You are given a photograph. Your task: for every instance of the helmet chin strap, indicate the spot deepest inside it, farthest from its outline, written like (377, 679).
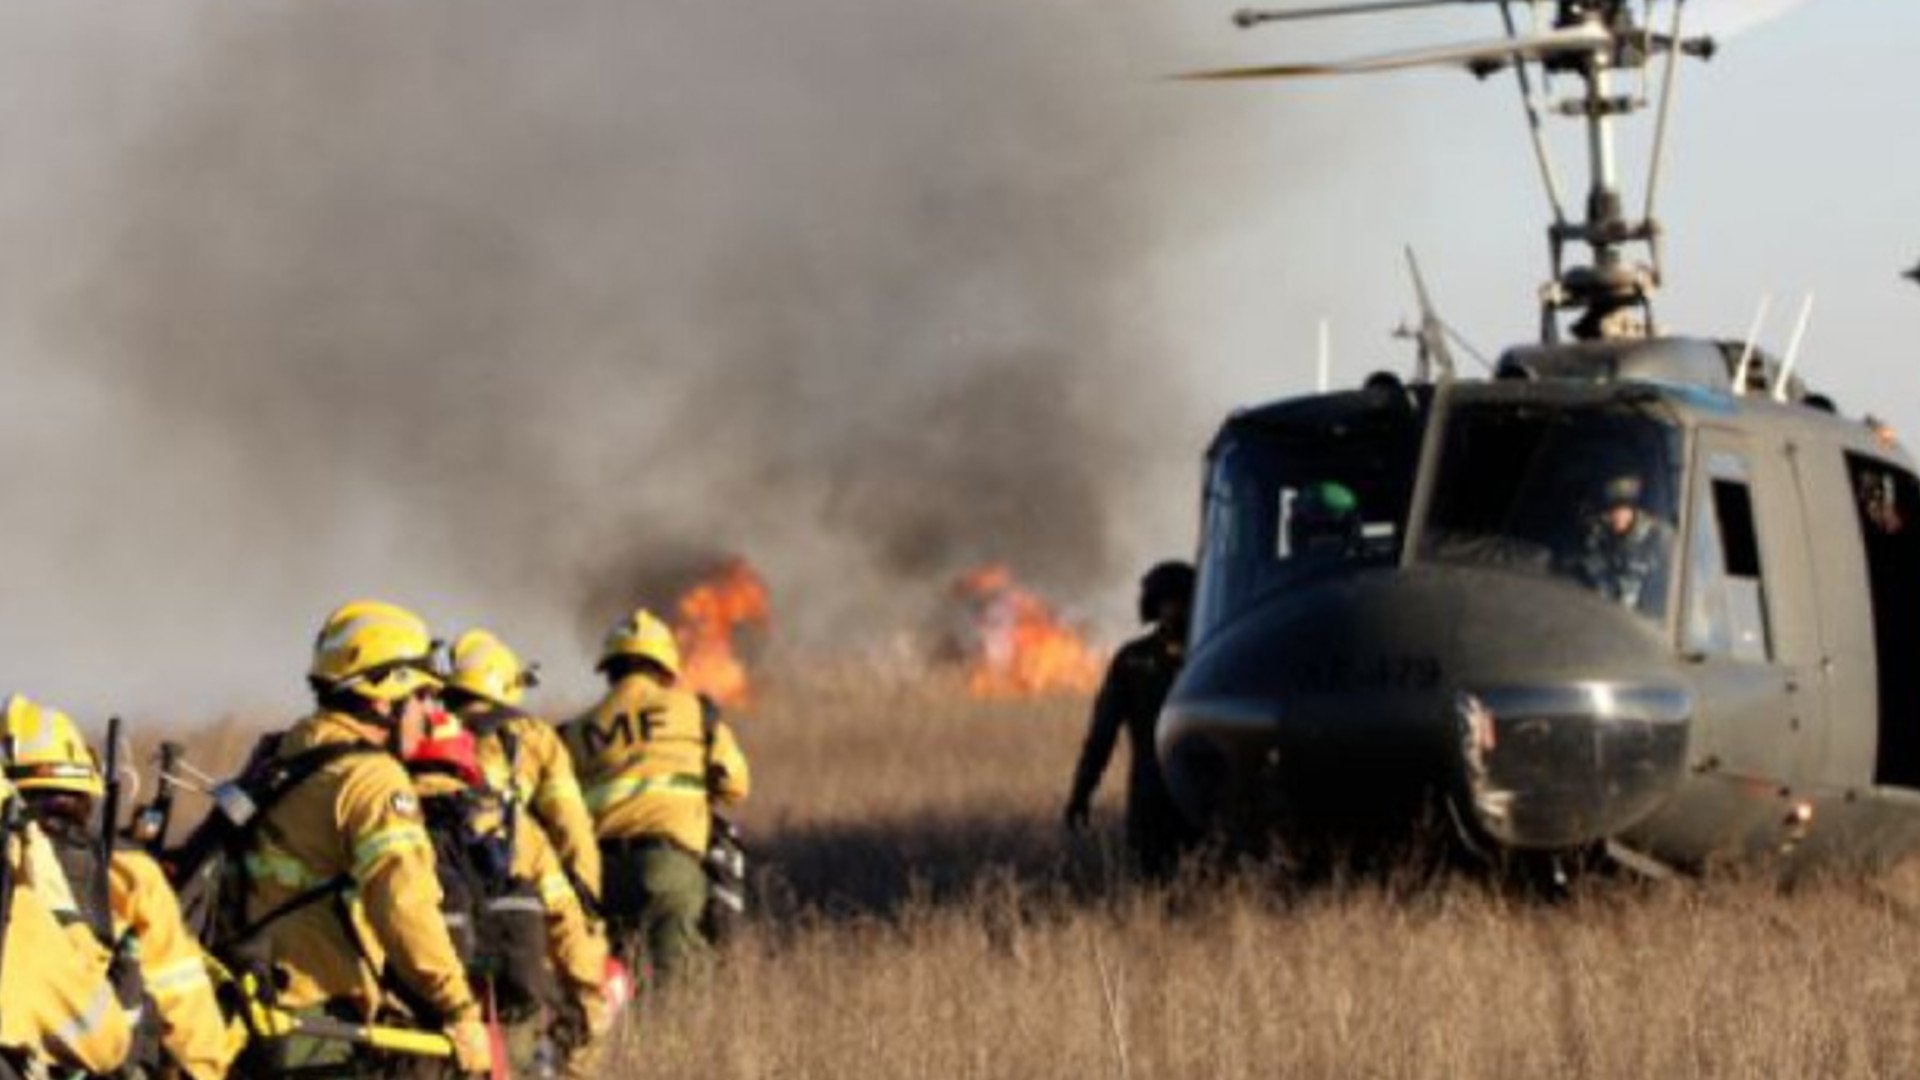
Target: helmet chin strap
(362, 711)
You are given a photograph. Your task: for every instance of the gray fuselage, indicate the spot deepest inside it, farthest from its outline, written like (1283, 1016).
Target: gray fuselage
(1466, 641)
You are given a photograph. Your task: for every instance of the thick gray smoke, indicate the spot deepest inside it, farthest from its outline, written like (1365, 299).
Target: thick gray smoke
(518, 311)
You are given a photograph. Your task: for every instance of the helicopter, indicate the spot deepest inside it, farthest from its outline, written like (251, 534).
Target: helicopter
(1635, 597)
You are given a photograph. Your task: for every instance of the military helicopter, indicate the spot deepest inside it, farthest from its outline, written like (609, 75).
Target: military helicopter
(1636, 597)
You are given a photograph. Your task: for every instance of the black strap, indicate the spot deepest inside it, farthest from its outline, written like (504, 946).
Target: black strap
(510, 824)
(331, 887)
(266, 782)
(284, 775)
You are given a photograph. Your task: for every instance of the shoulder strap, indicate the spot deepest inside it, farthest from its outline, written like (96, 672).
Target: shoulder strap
(267, 784)
(239, 806)
(331, 887)
(709, 721)
(277, 778)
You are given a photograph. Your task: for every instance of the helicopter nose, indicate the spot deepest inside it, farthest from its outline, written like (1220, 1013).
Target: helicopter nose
(1561, 765)
(1542, 717)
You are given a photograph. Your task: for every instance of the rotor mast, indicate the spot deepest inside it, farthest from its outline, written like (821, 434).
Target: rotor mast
(1596, 42)
(1613, 295)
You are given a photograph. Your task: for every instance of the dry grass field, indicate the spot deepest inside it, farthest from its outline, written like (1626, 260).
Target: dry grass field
(923, 915)
(926, 917)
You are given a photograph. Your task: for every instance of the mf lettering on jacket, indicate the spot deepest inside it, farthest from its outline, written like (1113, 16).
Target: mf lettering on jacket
(625, 729)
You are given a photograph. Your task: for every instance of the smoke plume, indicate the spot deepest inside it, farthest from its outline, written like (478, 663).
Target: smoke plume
(523, 312)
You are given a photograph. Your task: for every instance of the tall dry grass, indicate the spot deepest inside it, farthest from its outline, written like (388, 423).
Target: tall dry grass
(923, 915)
(927, 917)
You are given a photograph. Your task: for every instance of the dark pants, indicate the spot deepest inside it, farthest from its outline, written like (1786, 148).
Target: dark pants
(655, 893)
(1157, 834)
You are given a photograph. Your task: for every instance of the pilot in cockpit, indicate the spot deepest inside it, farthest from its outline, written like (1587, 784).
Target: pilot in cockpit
(1324, 522)
(1626, 551)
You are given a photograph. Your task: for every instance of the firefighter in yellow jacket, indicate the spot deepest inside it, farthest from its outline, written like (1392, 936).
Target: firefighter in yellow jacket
(339, 871)
(650, 762)
(521, 753)
(57, 775)
(58, 1006)
(531, 938)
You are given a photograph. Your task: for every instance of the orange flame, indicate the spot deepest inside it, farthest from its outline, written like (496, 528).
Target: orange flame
(1022, 648)
(709, 613)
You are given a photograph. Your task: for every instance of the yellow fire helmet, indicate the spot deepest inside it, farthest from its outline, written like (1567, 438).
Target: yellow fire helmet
(49, 753)
(374, 649)
(643, 636)
(482, 665)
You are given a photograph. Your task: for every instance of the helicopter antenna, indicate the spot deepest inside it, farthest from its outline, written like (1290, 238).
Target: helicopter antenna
(1793, 350)
(1743, 370)
(1432, 333)
(1460, 339)
(1658, 159)
(1326, 356)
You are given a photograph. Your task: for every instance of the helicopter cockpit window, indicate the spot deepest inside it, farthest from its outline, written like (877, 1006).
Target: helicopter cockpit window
(1585, 494)
(1286, 503)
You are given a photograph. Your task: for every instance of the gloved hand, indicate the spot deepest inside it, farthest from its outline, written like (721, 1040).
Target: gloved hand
(123, 971)
(1077, 813)
(472, 1046)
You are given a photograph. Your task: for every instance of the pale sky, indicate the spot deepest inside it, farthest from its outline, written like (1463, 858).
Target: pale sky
(1790, 170)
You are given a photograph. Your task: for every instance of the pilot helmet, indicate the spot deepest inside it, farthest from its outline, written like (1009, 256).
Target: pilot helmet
(1623, 489)
(1325, 515)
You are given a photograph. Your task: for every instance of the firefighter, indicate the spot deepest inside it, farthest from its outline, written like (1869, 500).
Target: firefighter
(57, 775)
(338, 872)
(522, 753)
(528, 938)
(59, 1006)
(652, 765)
(1136, 686)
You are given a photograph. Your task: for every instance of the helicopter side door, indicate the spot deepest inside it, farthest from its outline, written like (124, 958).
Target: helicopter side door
(1747, 627)
(1886, 500)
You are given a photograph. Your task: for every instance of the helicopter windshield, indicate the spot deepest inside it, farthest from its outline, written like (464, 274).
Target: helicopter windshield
(1293, 498)
(1586, 494)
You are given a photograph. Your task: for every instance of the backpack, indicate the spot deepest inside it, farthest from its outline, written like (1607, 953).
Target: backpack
(207, 869)
(725, 860)
(497, 921)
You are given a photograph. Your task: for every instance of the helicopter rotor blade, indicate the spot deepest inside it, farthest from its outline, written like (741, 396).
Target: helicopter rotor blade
(1474, 56)
(1247, 18)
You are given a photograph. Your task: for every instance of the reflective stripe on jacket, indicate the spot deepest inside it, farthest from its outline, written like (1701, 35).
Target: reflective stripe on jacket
(191, 1026)
(56, 1001)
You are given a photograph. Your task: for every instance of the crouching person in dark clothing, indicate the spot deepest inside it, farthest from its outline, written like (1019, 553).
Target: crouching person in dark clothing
(1136, 686)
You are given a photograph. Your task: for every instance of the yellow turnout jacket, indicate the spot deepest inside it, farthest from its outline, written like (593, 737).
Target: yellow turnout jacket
(645, 765)
(542, 778)
(357, 818)
(57, 1003)
(172, 965)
